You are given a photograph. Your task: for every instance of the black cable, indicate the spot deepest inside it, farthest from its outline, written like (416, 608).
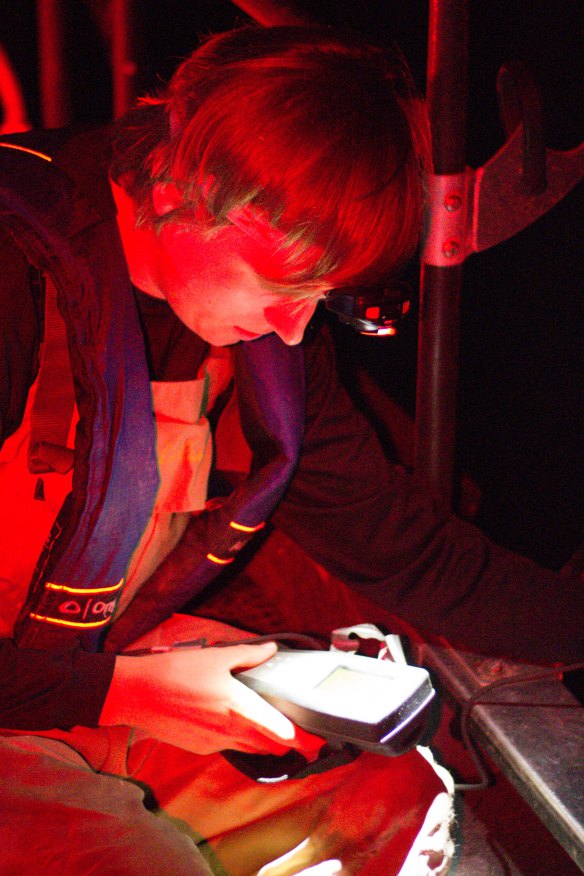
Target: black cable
(478, 698)
(315, 644)
(310, 641)
(197, 644)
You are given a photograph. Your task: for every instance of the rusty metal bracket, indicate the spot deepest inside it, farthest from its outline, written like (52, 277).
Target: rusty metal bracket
(477, 209)
(500, 206)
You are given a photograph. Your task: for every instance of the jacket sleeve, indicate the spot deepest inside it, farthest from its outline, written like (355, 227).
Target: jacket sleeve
(19, 330)
(370, 524)
(40, 689)
(44, 689)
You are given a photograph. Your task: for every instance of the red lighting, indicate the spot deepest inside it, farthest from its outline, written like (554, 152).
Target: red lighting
(243, 528)
(373, 312)
(218, 560)
(390, 330)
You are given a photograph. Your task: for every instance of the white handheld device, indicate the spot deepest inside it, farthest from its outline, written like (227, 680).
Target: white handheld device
(376, 705)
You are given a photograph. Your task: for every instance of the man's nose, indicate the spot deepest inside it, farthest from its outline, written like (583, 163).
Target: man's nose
(289, 319)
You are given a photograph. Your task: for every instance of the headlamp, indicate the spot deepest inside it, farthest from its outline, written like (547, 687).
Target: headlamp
(372, 311)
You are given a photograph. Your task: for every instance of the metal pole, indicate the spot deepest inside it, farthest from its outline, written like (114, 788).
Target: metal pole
(124, 66)
(441, 280)
(53, 81)
(12, 102)
(440, 287)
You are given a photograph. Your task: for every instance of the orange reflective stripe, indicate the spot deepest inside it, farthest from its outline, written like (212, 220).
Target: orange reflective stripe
(80, 591)
(64, 623)
(221, 562)
(243, 528)
(25, 149)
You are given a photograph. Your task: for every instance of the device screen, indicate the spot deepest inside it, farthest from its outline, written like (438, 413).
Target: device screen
(362, 690)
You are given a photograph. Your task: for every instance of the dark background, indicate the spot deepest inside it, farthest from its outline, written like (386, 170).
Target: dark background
(520, 382)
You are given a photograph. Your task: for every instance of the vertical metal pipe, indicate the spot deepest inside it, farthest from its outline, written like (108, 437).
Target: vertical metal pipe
(53, 79)
(440, 286)
(124, 66)
(12, 104)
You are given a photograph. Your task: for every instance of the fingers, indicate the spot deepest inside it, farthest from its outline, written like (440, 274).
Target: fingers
(246, 656)
(261, 714)
(300, 860)
(326, 868)
(273, 724)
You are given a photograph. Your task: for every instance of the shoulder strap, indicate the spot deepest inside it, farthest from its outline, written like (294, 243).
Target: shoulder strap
(270, 387)
(77, 581)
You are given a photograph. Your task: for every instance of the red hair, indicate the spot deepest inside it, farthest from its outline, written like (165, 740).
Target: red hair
(318, 136)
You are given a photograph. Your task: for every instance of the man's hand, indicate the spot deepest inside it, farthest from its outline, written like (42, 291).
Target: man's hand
(300, 861)
(287, 865)
(190, 699)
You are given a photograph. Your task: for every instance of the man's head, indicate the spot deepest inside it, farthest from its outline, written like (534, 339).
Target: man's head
(309, 143)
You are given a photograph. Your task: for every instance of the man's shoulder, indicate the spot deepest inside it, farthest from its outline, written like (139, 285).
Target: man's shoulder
(81, 153)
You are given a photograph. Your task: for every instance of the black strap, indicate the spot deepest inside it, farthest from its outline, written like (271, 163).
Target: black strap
(55, 397)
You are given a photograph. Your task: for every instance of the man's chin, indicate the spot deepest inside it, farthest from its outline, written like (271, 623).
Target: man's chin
(244, 335)
(228, 337)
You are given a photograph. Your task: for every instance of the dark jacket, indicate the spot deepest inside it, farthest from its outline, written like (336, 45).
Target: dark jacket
(361, 517)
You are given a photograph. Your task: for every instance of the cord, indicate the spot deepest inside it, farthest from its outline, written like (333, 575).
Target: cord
(309, 641)
(478, 697)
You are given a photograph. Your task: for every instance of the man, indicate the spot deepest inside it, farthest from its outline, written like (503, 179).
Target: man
(277, 166)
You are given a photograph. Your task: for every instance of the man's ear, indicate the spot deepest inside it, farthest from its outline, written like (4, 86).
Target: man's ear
(165, 198)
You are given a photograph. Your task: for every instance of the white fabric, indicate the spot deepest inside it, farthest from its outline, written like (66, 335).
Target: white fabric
(184, 450)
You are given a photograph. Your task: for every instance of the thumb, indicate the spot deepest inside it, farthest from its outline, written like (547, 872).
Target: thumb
(326, 868)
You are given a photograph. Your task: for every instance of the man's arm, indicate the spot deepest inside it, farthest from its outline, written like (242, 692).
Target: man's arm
(40, 689)
(369, 523)
(185, 698)
(45, 689)
(19, 334)
(190, 699)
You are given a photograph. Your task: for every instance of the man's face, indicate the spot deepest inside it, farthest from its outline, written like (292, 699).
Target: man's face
(220, 287)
